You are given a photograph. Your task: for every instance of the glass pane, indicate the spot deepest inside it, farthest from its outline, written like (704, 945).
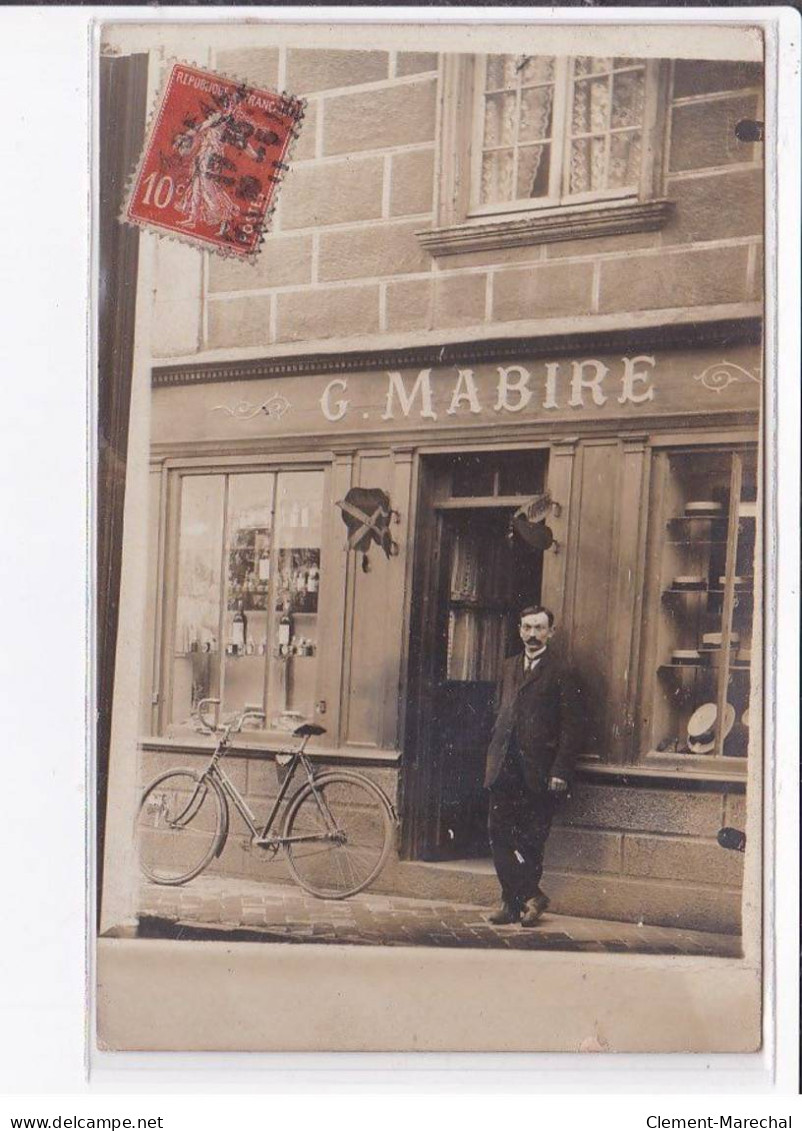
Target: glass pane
(587, 165)
(623, 62)
(533, 171)
(522, 473)
(497, 176)
(502, 72)
(473, 475)
(736, 744)
(537, 69)
(299, 521)
(196, 646)
(499, 120)
(591, 100)
(628, 93)
(590, 65)
(625, 154)
(248, 549)
(536, 107)
(697, 569)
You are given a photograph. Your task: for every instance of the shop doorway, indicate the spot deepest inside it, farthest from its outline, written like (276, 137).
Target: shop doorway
(472, 577)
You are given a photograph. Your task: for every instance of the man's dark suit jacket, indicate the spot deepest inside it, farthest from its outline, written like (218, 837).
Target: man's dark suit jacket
(541, 710)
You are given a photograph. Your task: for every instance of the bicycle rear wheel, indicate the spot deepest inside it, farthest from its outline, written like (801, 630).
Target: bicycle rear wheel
(349, 823)
(180, 824)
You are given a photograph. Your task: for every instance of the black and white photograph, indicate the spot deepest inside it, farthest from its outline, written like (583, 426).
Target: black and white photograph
(430, 537)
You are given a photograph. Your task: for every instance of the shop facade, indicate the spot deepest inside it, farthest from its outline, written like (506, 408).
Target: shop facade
(261, 602)
(610, 358)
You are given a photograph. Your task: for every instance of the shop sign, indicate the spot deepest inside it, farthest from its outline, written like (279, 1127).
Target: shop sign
(511, 389)
(675, 383)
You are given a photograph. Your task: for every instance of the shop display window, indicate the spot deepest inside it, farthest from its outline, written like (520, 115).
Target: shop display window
(704, 591)
(247, 589)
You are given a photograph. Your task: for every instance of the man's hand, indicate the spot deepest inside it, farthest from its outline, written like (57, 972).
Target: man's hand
(558, 785)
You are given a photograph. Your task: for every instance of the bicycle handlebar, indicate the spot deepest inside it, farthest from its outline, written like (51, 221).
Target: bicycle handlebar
(211, 727)
(232, 727)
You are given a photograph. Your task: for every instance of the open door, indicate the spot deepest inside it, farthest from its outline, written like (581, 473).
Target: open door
(472, 580)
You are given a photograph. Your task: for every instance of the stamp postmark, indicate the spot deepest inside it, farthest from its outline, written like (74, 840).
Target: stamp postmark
(213, 161)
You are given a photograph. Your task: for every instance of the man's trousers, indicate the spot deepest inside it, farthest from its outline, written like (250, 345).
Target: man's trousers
(519, 823)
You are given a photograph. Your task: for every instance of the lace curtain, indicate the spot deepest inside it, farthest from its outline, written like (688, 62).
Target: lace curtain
(608, 111)
(517, 115)
(606, 118)
(479, 591)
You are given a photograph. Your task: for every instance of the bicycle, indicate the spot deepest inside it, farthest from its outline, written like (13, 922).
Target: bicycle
(338, 826)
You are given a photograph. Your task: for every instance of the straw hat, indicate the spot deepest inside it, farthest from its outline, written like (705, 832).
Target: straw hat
(702, 727)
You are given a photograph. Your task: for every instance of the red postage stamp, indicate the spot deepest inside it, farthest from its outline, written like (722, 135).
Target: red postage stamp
(213, 161)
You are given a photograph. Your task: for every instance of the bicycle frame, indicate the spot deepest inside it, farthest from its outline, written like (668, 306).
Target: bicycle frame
(240, 804)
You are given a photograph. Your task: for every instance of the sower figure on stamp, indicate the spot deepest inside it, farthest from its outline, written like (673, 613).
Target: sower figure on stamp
(529, 761)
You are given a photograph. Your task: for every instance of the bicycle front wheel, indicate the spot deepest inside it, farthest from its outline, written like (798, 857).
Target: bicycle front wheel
(338, 835)
(179, 826)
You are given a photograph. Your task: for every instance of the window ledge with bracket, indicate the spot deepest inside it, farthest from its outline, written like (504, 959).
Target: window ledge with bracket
(548, 226)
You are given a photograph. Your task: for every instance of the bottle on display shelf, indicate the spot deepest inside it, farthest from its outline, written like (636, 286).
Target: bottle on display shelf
(299, 581)
(313, 580)
(239, 629)
(285, 632)
(264, 565)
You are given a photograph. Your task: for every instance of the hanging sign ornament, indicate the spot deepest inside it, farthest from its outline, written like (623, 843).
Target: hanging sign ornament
(367, 513)
(529, 523)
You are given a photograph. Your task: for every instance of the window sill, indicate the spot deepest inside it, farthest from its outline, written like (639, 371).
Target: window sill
(552, 224)
(266, 745)
(729, 772)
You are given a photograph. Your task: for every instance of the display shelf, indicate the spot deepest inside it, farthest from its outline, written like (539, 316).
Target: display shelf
(696, 542)
(674, 668)
(690, 520)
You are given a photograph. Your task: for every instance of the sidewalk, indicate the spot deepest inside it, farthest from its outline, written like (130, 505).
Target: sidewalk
(215, 907)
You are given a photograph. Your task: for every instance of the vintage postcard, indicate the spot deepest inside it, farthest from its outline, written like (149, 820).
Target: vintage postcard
(431, 546)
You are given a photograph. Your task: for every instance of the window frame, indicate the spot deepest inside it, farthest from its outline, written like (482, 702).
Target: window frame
(644, 754)
(461, 225)
(560, 141)
(167, 596)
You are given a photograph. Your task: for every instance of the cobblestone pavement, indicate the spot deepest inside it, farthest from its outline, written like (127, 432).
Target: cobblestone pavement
(212, 907)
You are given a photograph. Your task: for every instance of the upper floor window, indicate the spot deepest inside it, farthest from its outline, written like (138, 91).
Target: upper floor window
(552, 130)
(536, 148)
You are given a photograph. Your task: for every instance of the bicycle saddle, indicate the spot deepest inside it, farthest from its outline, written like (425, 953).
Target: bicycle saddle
(308, 729)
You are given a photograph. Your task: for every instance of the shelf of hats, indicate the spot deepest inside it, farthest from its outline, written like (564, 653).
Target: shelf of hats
(706, 604)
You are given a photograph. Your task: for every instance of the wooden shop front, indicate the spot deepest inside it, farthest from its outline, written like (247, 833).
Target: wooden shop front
(646, 442)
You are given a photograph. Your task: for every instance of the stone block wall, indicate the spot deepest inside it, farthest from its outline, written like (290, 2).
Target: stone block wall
(647, 853)
(343, 260)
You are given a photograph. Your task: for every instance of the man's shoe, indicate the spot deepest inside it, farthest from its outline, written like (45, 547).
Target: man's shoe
(504, 916)
(533, 910)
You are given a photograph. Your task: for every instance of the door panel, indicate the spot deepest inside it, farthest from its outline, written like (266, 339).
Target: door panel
(483, 581)
(470, 583)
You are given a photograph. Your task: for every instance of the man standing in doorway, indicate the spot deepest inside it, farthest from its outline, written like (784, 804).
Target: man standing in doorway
(528, 765)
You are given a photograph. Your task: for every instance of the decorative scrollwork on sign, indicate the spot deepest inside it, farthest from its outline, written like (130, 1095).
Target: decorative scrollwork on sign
(275, 407)
(717, 377)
